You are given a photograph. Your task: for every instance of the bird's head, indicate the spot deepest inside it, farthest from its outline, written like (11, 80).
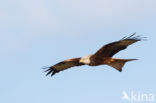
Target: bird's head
(85, 59)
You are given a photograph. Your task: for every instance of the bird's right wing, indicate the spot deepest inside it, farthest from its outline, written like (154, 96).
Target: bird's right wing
(63, 66)
(112, 48)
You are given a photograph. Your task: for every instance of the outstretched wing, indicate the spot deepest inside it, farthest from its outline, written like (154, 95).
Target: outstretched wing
(112, 48)
(63, 65)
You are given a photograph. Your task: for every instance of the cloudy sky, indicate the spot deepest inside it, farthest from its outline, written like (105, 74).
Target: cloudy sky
(38, 33)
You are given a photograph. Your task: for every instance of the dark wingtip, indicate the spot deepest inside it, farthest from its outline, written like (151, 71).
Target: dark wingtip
(138, 37)
(51, 71)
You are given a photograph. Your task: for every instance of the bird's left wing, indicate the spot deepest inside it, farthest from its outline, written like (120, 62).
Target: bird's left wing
(112, 48)
(63, 66)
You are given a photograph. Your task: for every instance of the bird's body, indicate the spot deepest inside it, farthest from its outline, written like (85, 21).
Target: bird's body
(102, 57)
(91, 61)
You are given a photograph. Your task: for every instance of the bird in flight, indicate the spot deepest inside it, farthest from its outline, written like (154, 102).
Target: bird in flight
(102, 57)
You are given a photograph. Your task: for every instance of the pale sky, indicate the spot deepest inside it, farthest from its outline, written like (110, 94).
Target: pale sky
(38, 33)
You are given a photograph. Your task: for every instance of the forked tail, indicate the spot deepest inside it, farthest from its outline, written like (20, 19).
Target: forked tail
(119, 63)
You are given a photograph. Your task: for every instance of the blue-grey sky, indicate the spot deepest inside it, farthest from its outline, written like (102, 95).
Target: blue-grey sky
(38, 33)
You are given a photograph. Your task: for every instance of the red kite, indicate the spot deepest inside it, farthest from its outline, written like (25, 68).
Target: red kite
(101, 57)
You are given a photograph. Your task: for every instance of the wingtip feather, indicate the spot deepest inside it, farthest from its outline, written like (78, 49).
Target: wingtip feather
(138, 37)
(51, 71)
